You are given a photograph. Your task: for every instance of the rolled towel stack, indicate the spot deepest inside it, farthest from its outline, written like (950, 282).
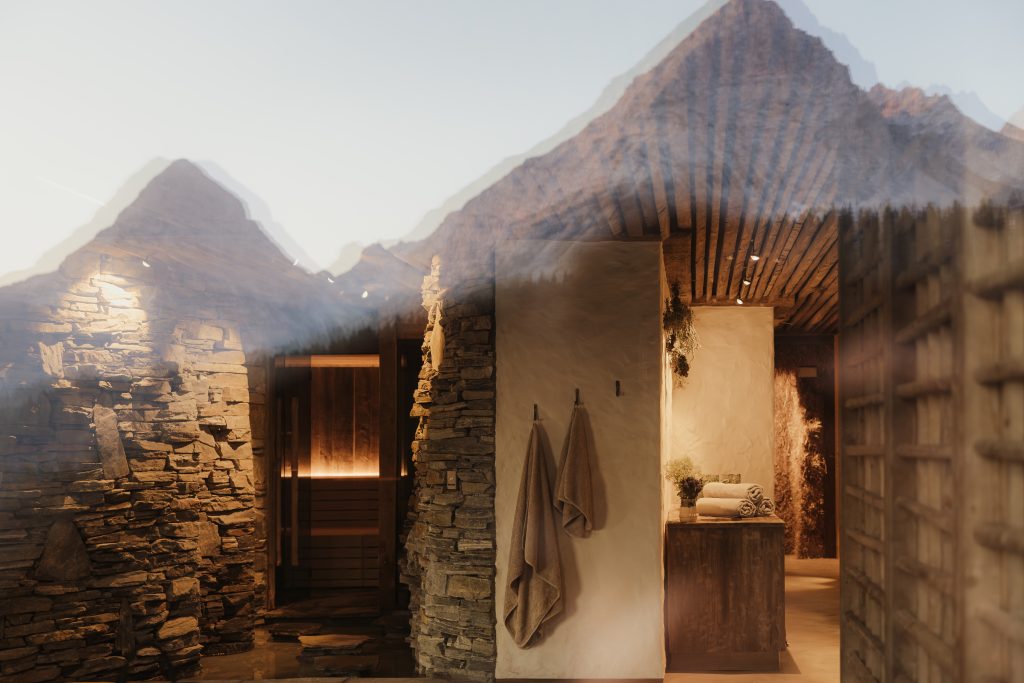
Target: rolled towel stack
(726, 507)
(716, 489)
(734, 500)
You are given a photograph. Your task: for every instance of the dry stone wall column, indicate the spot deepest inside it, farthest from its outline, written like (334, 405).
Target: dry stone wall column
(93, 547)
(449, 552)
(126, 531)
(218, 461)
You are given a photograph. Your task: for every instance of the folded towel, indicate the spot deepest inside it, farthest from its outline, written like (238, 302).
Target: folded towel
(533, 593)
(726, 507)
(717, 489)
(766, 507)
(574, 498)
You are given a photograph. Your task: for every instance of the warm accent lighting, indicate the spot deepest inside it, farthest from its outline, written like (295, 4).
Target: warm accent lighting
(739, 301)
(329, 361)
(348, 474)
(755, 257)
(746, 283)
(365, 294)
(145, 263)
(331, 280)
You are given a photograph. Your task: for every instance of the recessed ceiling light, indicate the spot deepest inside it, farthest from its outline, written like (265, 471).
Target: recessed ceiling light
(365, 294)
(746, 283)
(755, 257)
(145, 263)
(739, 301)
(331, 280)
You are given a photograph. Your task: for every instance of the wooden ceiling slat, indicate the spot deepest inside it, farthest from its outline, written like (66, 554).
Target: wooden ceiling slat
(793, 257)
(724, 61)
(700, 122)
(765, 232)
(791, 173)
(816, 260)
(675, 137)
(826, 319)
(812, 301)
(778, 258)
(769, 119)
(787, 258)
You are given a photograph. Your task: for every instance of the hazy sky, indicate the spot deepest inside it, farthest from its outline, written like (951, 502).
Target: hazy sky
(350, 120)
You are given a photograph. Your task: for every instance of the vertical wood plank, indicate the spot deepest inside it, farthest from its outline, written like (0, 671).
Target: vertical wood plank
(389, 466)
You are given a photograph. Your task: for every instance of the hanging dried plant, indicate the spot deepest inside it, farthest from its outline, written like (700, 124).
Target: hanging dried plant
(680, 336)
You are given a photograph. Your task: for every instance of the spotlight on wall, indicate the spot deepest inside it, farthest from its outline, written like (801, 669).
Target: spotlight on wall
(145, 263)
(331, 280)
(755, 257)
(295, 262)
(365, 294)
(746, 283)
(739, 301)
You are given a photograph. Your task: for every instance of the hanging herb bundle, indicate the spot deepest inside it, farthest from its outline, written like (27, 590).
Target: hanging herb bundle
(680, 335)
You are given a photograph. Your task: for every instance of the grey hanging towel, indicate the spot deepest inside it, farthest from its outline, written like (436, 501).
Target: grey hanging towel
(533, 593)
(574, 495)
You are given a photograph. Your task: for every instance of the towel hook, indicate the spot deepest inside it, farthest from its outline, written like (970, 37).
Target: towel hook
(535, 416)
(618, 388)
(577, 396)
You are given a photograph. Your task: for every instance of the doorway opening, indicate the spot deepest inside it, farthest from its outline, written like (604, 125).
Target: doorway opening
(339, 481)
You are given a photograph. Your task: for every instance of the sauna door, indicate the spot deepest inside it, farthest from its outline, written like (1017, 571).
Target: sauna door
(328, 430)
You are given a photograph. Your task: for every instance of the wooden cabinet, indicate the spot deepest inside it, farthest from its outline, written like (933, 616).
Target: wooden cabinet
(724, 595)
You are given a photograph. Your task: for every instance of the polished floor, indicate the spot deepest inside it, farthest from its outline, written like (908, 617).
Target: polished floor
(812, 629)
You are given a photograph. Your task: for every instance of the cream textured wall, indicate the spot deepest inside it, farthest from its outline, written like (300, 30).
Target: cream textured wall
(722, 415)
(584, 315)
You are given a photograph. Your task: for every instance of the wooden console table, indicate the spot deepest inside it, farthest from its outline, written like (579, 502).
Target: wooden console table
(725, 606)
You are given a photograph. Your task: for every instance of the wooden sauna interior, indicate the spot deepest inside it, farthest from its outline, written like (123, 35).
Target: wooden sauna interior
(340, 431)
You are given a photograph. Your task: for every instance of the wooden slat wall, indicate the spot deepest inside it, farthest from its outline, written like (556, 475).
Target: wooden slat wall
(925, 497)
(345, 425)
(993, 448)
(866, 404)
(342, 549)
(932, 386)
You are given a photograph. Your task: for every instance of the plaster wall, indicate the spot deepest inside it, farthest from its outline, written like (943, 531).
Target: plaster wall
(584, 315)
(722, 414)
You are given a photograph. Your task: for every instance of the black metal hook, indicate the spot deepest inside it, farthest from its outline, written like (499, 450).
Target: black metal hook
(618, 388)
(577, 396)
(535, 413)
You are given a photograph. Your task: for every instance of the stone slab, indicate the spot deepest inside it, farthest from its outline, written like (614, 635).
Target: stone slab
(108, 439)
(64, 555)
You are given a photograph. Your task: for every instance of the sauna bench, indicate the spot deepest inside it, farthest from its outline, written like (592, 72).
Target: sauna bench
(725, 604)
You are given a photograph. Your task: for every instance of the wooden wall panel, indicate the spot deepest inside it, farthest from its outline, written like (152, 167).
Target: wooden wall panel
(993, 447)
(866, 443)
(932, 383)
(345, 422)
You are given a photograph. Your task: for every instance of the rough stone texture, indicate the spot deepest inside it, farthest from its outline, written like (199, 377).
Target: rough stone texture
(127, 459)
(64, 555)
(449, 546)
(132, 403)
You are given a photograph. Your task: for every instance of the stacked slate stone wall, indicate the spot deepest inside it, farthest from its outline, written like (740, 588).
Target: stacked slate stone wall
(449, 551)
(126, 477)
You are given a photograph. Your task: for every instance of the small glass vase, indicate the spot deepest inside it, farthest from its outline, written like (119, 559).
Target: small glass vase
(687, 509)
